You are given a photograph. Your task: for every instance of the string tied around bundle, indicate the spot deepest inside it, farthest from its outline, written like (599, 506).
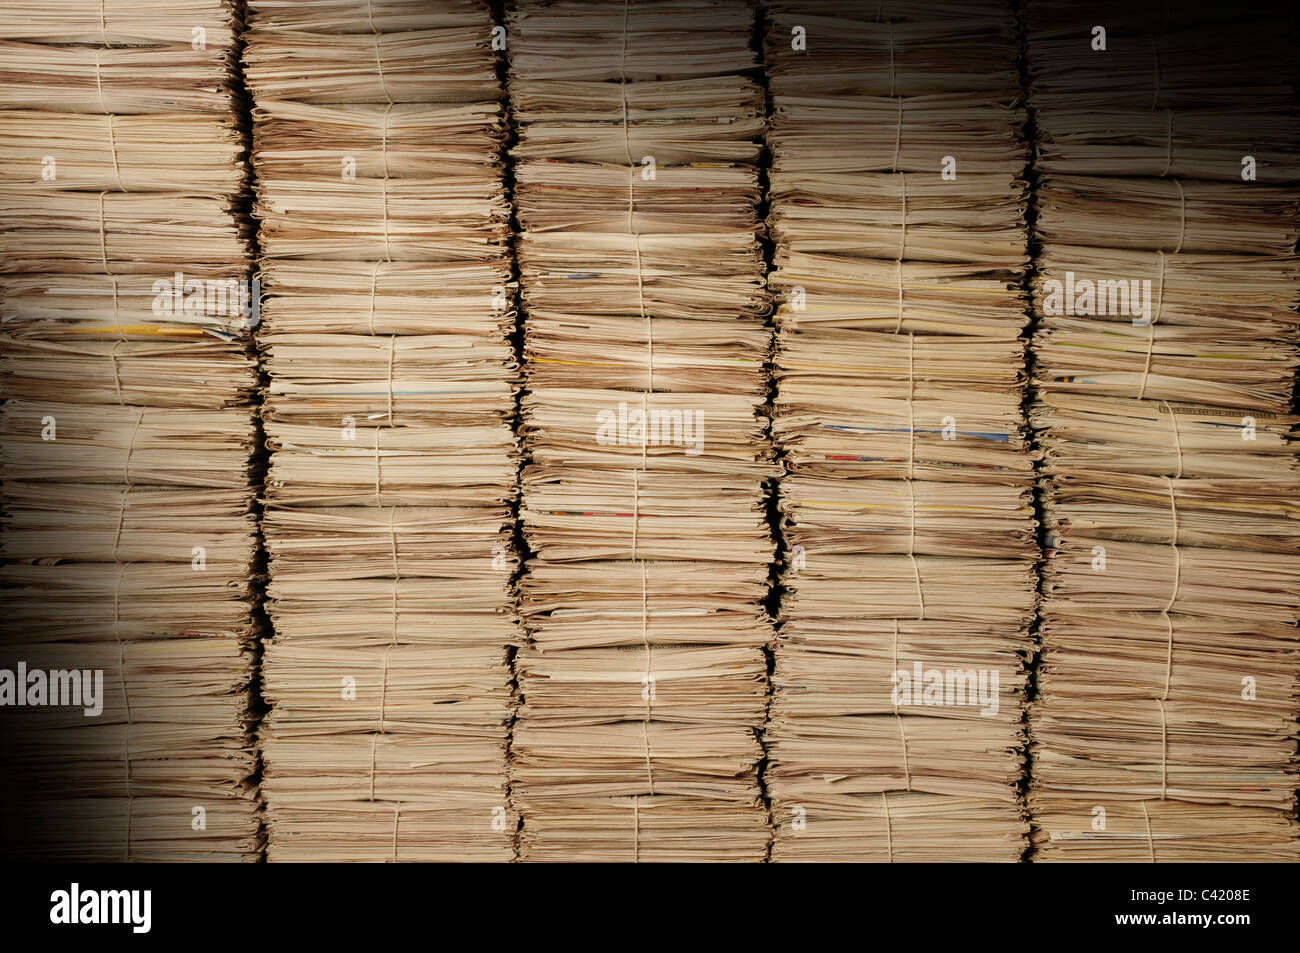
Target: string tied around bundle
(1169, 655)
(126, 708)
(121, 520)
(911, 406)
(648, 693)
(1173, 597)
(99, 86)
(103, 23)
(1182, 214)
(383, 687)
(117, 314)
(117, 601)
(645, 609)
(911, 473)
(1151, 843)
(392, 357)
(117, 375)
(1173, 545)
(649, 764)
(1151, 329)
(902, 737)
(902, 222)
(1173, 512)
(898, 135)
(898, 280)
(383, 138)
(902, 731)
(397, 815)
(383, 705)
(920, 589)
(636, 828)
(392, 539)
(1169, 149)
(889, 833)
(130, 446)
(1178, 443)
(374, 283)
(648, 679)
(128, 809)
(649, 324)
(388, 247)
(1173, 515)
(895, 668)
(636, 510)
(395, 613)
(103, 236)
(1164, 750)
(379, 64)
(374, 741)
(622, 57)
(112, 151)
(388, 424)
(911, 516)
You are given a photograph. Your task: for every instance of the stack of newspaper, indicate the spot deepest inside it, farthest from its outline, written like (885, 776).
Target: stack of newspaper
(378, 131)
(898, 213)
(1166, 356)
(128, 435)
(644, 683)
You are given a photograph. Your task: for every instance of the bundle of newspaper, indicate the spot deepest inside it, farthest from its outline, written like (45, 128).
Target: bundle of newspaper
(898, 48)
(123, 23)
(146, 235)
(130, 535)
(158, 830)
(644, 499)
(1169, 215)
(415, 731)
(384, 218)
(177, 151)
(206, 372)
(1164, 727)
(131, 550)
(196, 306)
(898, 213)
(1158, 58)
(135, 719)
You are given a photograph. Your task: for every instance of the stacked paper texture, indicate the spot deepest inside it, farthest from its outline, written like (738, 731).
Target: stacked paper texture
(129, 533)
(1166, 354)
(908, 572)
(644, 503)
(383, 223)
